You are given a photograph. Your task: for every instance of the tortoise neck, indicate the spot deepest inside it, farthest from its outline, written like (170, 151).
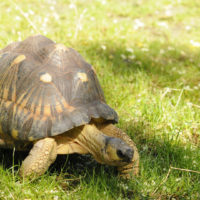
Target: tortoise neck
(93, 140)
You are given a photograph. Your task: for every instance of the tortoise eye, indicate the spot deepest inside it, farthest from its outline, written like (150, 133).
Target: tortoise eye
(119, 153)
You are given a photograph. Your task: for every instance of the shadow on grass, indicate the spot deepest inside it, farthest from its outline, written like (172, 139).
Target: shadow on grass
(156, 156)
(164, 67)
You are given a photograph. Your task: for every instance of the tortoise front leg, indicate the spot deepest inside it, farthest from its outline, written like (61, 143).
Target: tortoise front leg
(41, 156)
(133, 167)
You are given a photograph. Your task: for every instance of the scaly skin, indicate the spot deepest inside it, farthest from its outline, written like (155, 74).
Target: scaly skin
(133, 167)
(88, 139)
(41, 156)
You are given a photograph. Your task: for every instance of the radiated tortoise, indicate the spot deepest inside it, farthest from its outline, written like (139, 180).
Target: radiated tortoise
(51, 103)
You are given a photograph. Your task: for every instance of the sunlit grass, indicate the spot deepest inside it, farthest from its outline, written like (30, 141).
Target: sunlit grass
(146, 55)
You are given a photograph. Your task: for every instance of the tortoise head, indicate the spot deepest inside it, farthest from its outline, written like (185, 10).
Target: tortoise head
(105, 149)
(116, 152)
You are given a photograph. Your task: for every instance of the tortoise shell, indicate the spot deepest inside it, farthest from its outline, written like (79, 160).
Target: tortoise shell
(47, 89)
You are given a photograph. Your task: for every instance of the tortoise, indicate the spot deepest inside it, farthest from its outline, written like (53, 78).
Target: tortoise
(51, 103)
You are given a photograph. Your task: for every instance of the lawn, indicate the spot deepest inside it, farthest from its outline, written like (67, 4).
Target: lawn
(147, 57)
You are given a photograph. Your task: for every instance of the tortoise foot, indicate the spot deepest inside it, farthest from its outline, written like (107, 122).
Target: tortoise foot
(41, 156)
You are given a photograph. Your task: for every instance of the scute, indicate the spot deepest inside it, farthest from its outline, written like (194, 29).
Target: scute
(48, 90)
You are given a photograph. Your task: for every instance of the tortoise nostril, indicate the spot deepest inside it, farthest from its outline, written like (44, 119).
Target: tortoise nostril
(129, 154)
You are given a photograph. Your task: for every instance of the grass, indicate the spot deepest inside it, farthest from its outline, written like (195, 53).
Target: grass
(146, 54)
